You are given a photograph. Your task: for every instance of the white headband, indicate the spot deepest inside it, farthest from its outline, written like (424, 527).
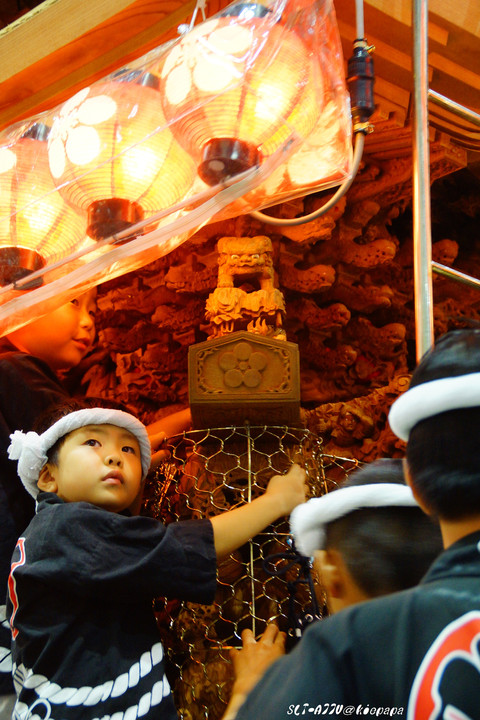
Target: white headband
(30, 449)
(308, 521)
(432, 398)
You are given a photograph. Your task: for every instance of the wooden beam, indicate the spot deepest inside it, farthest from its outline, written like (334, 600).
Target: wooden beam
(464, 14)
(48, 27)
(63, 45)
(66, 49)
(461, 74)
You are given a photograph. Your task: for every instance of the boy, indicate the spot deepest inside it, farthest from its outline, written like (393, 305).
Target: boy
(31, 359)
(368, 538)
(413, 653)
(85, 572)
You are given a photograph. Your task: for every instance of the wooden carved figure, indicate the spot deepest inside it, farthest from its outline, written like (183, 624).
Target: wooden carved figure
(246, 297)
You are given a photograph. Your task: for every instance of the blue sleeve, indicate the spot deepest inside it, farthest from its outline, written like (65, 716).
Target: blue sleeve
(84, 549)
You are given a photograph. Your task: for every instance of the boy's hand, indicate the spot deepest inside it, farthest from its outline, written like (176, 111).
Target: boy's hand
(254, 658)
(289, 488)
(232, 529)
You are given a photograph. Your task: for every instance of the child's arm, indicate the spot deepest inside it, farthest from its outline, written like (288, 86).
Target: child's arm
(284, 492)
(172, 424)
(168, 426)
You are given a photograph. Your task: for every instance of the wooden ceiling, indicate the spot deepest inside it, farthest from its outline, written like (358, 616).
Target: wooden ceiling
(61, 46)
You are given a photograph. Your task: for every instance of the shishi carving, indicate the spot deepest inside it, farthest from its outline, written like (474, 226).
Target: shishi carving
(245, 258)
(246, 297)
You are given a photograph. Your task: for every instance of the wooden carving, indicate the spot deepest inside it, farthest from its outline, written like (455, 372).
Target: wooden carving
(244, 377)
(246, 296)
(351, 316)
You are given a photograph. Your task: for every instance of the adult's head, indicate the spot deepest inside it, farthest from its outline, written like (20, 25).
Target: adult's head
(370, 536)
(439, 417)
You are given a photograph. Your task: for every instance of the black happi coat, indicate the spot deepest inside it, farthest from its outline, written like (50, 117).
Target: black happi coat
(86, 644)
(27, 388)
(414, 654)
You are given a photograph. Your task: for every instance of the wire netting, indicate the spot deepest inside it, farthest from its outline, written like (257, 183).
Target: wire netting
(266, 580)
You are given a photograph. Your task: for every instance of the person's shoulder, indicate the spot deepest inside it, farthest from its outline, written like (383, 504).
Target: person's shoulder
(49, 501)
(362, 620)
(15, 364)
(17, 358)
(75, 522)
(11, 357)
(48, 504)
(381, 608)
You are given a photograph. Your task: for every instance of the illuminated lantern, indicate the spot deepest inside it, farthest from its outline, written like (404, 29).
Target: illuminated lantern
(112, 155)
(242, 85)
(37, 227)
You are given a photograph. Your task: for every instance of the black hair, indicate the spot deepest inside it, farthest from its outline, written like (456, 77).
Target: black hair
(442, 450)
(444, 463)
(58, 410)
(454, 354)
(385, 549)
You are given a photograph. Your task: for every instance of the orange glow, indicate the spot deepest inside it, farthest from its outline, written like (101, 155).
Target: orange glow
(33, 216)
(227, 81)
(111, 141)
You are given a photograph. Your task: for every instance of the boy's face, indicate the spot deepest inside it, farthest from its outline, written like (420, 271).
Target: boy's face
(62, 337)
(99, 464)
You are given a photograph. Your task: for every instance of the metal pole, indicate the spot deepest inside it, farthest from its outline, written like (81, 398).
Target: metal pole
(460, 110)
(455, 275)
(422, 241)
(253, 613)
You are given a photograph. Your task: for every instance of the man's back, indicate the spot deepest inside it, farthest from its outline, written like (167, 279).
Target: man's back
(381, 657)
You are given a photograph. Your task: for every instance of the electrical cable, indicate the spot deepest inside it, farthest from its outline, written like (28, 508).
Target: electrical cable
(360, 79)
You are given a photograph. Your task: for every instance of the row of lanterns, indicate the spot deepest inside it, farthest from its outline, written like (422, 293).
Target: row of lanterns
(222, 99)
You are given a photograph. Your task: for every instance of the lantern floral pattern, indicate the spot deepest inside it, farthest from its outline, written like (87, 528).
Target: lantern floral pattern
(247, 80)
(33, 215)
(111, 140)
(218, 46)
(74, 136)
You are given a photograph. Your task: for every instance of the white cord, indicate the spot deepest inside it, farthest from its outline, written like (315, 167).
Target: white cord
(357, 156)
(184, 28)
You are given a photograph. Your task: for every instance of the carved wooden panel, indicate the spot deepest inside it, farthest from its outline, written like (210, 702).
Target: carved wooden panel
(243, 377)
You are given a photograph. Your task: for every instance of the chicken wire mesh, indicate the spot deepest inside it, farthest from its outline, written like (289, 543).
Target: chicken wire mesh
(266, 580)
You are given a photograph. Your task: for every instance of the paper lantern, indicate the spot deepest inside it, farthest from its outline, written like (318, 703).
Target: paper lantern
(241, 84)
(112, 154)
(37, 227)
